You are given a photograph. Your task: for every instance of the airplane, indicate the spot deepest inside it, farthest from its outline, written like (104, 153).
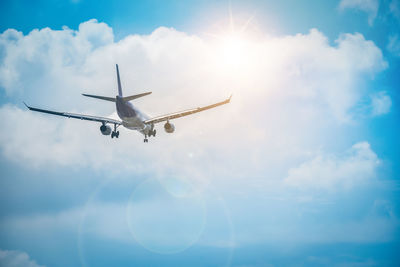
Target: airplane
(131, 117)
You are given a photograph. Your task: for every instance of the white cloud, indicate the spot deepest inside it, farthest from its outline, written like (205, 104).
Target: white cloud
(145, 222)
(394, 45)
(96, 34)
(394, 8)
(369, 6)
(381, 103)
(357, 166)
(365, 230)
(13, 258)
(187, 222)
(104, 220)
(311, 84)
(44, 60)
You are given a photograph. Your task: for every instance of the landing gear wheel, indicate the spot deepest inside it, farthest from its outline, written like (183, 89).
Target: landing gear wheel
(154, 133)
(114, 134)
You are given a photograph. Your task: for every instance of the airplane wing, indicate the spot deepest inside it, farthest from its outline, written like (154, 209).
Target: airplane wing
(179, 114)
(76, 116)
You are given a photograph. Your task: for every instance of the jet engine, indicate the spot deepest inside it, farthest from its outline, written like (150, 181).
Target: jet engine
(169, 127)
(105, 130)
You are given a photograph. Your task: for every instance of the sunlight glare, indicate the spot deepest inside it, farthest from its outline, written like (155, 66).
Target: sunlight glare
(233, 49)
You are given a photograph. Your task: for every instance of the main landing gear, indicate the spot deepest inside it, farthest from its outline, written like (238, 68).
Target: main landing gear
(151, 133)
(115, 133)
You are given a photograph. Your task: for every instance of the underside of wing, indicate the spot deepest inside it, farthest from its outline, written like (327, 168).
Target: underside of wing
(183, 113)
(76, 116)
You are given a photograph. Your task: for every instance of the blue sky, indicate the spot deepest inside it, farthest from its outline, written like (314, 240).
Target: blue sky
(300, 169)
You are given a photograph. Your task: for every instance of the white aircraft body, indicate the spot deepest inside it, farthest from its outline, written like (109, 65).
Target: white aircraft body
(130, 116)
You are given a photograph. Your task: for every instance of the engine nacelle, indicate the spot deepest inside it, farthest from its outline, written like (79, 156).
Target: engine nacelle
(105, 130)
(169, 127)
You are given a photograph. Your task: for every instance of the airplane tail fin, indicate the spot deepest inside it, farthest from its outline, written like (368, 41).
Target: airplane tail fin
(113, 99)
(119, 82)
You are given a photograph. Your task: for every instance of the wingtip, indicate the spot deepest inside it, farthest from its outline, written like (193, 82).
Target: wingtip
(230, 97)
(25, 104)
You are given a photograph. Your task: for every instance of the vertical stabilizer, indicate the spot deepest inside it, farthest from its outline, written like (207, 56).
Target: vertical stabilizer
(119, 82)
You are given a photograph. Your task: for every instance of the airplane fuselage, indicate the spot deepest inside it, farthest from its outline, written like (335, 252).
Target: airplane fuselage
(131, 117)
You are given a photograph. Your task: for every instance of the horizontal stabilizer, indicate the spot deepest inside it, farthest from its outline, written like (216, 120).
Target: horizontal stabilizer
(129, 98)
(112, 99)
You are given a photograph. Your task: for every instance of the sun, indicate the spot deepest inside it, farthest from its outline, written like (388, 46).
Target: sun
(233, 48)
(233, 43)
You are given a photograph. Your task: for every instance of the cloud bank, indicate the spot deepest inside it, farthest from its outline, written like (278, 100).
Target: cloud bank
(368, 6)
(281, 85)
(13, 258)
(355, 167)
(381, 103)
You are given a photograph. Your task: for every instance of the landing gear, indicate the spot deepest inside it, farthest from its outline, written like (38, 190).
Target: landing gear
(152, 133)
(115, 133)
